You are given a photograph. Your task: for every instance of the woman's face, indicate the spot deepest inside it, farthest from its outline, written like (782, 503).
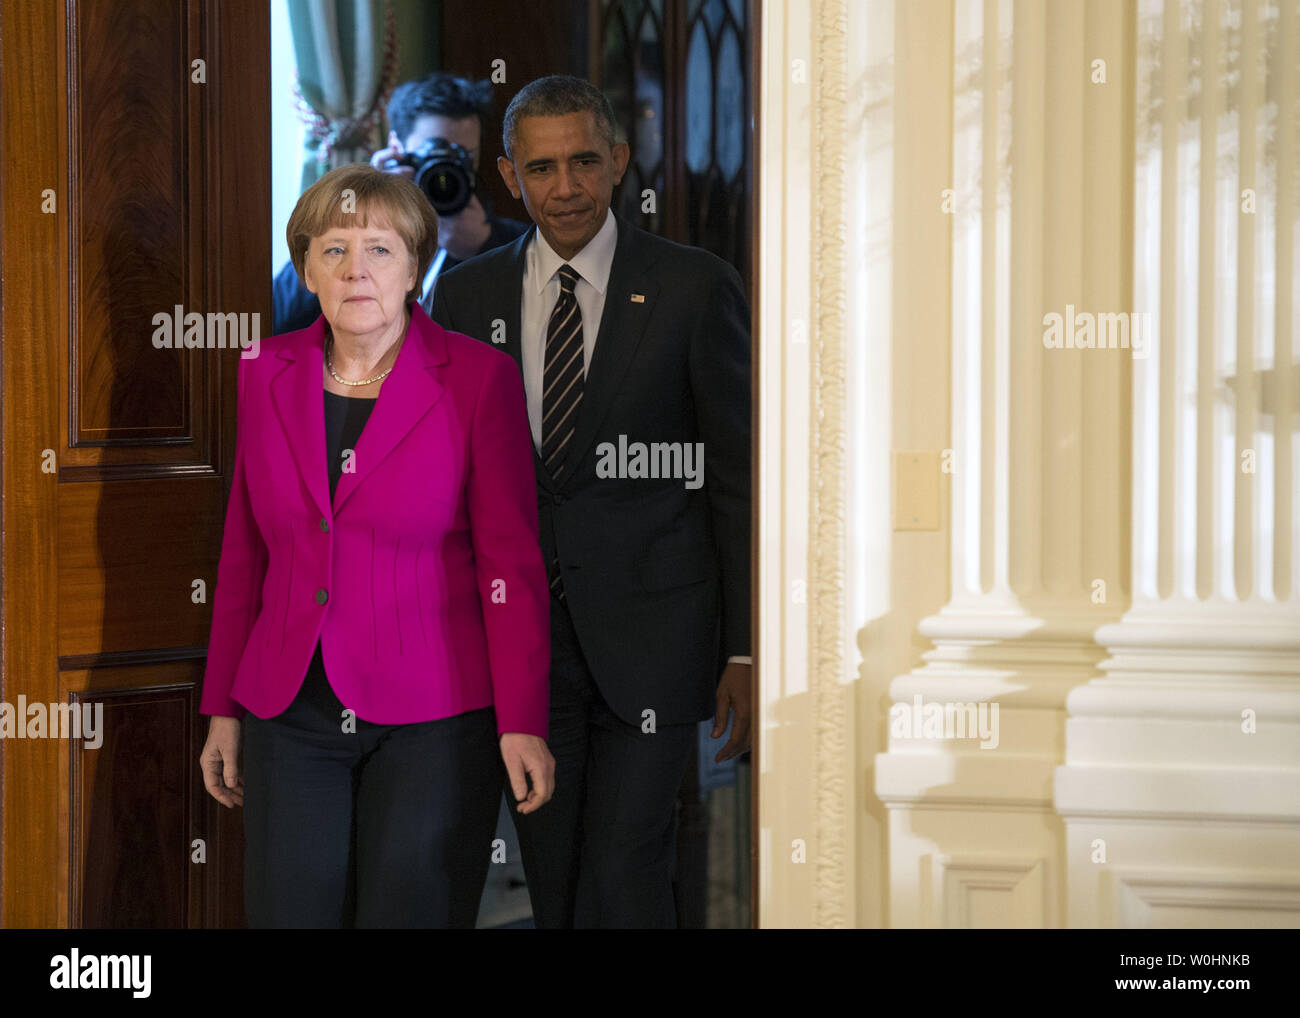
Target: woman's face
(361, 275)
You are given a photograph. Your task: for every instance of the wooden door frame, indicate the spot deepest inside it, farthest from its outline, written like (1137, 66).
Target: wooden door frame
(233, 38)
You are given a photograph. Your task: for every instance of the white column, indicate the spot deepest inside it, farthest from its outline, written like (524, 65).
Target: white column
(1038, 464)
(1181, 788)
(826, 249)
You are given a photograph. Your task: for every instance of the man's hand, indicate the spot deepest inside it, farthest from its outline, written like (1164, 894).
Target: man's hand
(219, 762)
(464, 234)
(392, 152)
(526, 756)
(735, 693)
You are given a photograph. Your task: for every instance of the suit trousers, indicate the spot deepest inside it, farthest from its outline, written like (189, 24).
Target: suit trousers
(601, 853)
(387, 826)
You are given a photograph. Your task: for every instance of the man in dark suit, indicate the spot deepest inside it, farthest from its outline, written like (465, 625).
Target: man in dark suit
(635, 358)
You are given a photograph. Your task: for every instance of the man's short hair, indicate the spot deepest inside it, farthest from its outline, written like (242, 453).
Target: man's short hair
(438, 95)
(555, 96)
(390, 198)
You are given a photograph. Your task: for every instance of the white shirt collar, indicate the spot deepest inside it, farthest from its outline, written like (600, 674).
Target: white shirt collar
(592, 263)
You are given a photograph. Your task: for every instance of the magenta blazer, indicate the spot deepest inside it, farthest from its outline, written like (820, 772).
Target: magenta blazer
(423, 579)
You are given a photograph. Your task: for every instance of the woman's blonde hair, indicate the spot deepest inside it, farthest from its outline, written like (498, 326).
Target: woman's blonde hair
(347, 196)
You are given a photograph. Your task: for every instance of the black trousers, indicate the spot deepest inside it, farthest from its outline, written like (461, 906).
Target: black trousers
(600, 854)
(387, 826)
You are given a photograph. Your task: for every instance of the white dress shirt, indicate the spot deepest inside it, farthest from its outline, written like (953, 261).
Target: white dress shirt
(542, 290)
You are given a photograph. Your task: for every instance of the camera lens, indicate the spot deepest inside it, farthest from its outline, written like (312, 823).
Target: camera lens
(445, 173)
(447, 190)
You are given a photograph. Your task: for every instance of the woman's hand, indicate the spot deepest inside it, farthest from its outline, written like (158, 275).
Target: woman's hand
(527, 756)
(220, 762)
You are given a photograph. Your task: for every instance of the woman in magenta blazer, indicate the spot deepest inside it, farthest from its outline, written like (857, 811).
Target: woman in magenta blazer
(380, 637)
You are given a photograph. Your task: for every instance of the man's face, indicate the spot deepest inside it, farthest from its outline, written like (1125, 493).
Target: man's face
(565, 172)
(463, 131)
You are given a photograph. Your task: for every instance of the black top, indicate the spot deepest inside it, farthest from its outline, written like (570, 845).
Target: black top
(345, 416)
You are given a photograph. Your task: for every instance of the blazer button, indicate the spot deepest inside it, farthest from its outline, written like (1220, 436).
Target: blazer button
(322, 596)
(559, 499)
(324, 524)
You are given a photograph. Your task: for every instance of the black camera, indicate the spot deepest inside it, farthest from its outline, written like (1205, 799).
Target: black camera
(444, 171)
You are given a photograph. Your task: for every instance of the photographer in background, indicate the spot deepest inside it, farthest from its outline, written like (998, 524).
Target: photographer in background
(439, 106)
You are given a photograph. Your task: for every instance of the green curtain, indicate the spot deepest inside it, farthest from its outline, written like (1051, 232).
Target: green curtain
(346, 51)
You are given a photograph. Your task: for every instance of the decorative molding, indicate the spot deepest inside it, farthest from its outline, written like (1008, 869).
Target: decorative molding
(988, 781)
(1135, 895)
(131, 780)
(1199, 794)
(136, 471)
(1022, 880)
(131, 658)
(827, 591)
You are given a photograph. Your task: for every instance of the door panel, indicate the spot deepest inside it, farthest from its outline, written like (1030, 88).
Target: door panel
(134, 180)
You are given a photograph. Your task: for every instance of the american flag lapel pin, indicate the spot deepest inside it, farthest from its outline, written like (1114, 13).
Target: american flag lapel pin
(638, 298)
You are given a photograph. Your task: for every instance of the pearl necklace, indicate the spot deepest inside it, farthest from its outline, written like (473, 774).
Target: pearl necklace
(329, 363)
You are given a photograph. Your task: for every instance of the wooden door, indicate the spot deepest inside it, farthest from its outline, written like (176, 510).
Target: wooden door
(136, 178)
(522, 41)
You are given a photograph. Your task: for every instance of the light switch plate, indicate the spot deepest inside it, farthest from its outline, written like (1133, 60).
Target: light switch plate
(916, 490)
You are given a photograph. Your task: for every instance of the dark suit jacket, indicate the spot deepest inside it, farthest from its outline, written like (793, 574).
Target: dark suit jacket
(656, 574)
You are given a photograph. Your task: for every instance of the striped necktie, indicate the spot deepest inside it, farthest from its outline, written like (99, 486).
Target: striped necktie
(562, 375)
(562, 380)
